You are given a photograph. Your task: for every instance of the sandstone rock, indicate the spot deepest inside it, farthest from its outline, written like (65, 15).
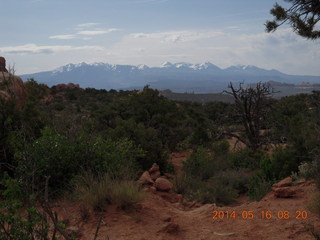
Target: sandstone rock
(145, 179)
(163, 184)
(3, 65)
(283, 183)
(153, 189)
(155, 175)
(13, 88)
(284, 192)
(155, 167)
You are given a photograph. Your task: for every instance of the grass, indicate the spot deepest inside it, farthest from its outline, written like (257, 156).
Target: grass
(96, 191)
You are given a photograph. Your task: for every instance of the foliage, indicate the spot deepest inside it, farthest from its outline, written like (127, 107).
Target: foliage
(259, 186)
(302, 16)
(17, 224)
(95, 191)
(245, 158)
(208, 178)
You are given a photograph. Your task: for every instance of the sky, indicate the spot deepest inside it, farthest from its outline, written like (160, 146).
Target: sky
(41, 35)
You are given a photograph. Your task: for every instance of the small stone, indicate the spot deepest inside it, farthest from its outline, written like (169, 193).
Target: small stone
(145, 179)
(284, 192)
(163, 184)
(155, 167)
(155, 175)
(153, 189)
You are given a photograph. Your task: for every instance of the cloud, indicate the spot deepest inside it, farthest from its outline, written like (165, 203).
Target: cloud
(63, 37)
(177, 36)
(87, 25)
(282, 50)
(45, 49)
(97, 32)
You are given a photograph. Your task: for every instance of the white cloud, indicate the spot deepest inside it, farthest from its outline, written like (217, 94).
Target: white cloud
(63, 37)
(282, 50)
(45, 49)
(97, 32)
(87, 25)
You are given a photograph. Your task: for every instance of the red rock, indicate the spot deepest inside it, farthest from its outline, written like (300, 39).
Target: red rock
(13, 89)
(155, 167)
(163, 184)
(283, 183)
(284, 192)
(145, 179)
(155, 175)
(3, 65)
(153, 189)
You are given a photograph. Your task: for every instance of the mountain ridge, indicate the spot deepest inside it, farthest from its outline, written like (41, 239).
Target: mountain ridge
(179, 77)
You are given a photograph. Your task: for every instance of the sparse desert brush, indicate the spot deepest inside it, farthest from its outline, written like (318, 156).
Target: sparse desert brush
(95, 191)
(125, 193)
(92, 191)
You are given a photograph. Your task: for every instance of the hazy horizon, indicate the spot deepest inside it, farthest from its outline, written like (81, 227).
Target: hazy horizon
(43, 35)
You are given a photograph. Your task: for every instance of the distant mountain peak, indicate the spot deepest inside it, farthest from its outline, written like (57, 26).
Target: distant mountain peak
(180, 77)
(166, 65)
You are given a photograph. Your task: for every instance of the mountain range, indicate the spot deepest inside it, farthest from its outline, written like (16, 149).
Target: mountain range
(178, 77)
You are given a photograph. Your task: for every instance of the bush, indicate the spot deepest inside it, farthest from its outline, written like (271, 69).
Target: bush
(96, 191)
(92, 191)
(258, 186)
(215, 190)
(201, 164)
(125, 193)
(245, 158)
(16, 223)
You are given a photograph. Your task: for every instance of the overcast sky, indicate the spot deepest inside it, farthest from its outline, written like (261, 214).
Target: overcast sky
(41, 35)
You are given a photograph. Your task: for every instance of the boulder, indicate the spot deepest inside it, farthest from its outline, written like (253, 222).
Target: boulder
(3, 65)
(155, 175)
(13, 88)
(284, 192)
(163, 184)
(145, 179)
(155, 167)
(283, 183)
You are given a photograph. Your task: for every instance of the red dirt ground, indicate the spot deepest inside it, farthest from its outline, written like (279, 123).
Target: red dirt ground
(163, 216)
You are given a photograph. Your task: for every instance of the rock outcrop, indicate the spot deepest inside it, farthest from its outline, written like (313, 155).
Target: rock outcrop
(282, 189)
(3, 65)
(163, 184)
(11, 86)
(154, 181)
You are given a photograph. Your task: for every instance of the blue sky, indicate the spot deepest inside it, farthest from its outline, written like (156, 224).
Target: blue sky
(40, 35)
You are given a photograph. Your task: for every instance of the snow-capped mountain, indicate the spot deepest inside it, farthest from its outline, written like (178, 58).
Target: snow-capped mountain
(179, 77)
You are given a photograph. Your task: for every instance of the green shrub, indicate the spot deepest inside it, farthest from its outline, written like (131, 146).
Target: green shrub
(91, 190)
(96, 191)
(215, 190)
(283, 162)
(308, 170)
(258, 186)
(221, 148)
(201, 164)
(16, 220)
(125, 193)
(246, 158)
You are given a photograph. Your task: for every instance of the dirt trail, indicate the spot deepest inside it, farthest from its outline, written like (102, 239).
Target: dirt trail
(162, 216)
(158, 219)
